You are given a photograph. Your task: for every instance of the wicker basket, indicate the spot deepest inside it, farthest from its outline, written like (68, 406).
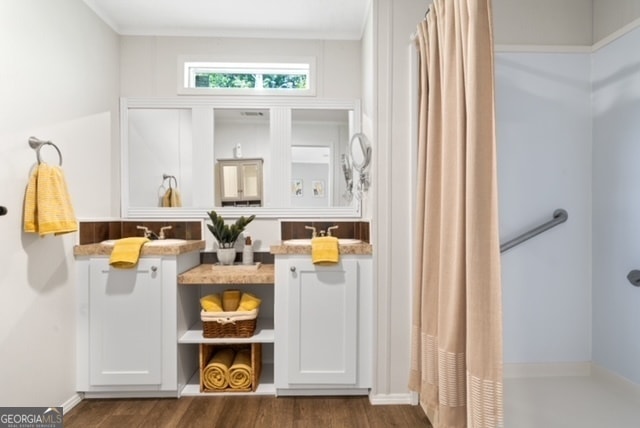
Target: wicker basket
(208, 350)
(228, 324)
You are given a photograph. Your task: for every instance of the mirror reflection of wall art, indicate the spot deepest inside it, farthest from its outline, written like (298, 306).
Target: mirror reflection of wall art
(296, 187)
(318, 188)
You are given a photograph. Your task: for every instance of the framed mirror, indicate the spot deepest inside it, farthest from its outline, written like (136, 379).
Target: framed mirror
(299, 142)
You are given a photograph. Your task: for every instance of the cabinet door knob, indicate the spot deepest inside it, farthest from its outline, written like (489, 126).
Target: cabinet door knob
(154, 268)
(292, 268)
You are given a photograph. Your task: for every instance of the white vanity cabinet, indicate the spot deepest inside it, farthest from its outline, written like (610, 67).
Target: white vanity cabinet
(323, 323)
(125, 338)
(127, 326)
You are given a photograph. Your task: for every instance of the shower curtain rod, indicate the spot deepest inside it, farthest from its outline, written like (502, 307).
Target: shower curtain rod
(559, 216)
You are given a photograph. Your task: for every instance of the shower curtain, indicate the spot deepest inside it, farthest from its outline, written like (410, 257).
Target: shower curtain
(456, 363)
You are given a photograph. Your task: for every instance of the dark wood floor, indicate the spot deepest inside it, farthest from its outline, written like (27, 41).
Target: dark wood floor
(243, 411)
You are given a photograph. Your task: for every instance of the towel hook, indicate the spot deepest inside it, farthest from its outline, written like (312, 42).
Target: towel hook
(37, 144)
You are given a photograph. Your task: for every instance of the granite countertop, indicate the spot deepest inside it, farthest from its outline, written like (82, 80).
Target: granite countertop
(233, 274)
(168, 250)
(361, 249)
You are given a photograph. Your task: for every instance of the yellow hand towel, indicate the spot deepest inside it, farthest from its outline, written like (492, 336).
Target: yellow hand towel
(240, 370)
(325, 250)
(47, 203)
(171, 198)
(248, 302)
(126, 252)
(215, 375)
(211, 303)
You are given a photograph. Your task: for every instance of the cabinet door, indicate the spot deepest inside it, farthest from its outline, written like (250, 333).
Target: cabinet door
(323, 323)
(230, 182)
(125, 319)
(252, 181)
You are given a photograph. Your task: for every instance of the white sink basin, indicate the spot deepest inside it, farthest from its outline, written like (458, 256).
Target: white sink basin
(154, 243)
(341, 241)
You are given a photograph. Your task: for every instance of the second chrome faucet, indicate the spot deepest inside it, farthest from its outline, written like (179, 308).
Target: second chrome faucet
(148, 233)
(322, 232)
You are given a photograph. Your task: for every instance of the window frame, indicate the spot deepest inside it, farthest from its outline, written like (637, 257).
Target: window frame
(186, 65)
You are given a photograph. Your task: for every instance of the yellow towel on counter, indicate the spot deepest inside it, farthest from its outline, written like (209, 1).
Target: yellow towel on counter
(47, 204)
(325, 250)
(240, 371)
(215, 375)
(126, 252)
(172, 198)
(211, 303)
(248, 302)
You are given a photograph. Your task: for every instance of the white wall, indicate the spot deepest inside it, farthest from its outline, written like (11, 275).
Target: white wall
(616, 206)
(391, 191)
(149, 65)
(544, 163)
(59, 81)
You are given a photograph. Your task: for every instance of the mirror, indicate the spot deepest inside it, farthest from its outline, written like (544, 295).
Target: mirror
(319, 139)
(298, 142)
(360, 151)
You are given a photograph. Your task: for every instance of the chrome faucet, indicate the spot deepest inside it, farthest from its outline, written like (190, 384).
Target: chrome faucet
(329, 229)
(162, 229)
(312, 229)
(148, 233)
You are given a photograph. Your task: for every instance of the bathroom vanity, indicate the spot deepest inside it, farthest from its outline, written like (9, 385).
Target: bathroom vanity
(324, 322)
(140, 335)
(127, 321)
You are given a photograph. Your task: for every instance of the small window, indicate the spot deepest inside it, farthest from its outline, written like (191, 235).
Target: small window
(248, 78)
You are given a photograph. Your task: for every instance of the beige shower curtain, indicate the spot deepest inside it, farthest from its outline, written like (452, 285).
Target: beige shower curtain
(456, 363)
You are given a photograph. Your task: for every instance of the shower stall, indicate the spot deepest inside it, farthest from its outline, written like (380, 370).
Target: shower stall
(568, 135)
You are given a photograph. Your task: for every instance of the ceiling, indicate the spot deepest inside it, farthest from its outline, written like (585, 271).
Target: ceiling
(298, 19)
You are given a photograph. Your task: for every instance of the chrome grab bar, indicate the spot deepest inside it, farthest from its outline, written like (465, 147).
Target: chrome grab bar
(559, 216)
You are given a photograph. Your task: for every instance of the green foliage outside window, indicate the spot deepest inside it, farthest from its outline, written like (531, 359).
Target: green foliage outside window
(269, 81)
(284, 81)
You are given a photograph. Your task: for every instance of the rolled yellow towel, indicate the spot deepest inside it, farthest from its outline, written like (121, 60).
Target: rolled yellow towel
(230, 300)
(126, 252)
(211, 303)
(248, 302)
(325, 250)
(240, 371)
(215, 375)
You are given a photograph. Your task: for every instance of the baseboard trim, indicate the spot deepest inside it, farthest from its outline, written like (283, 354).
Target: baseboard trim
(390, 399)
(72, 402)
(523, 370)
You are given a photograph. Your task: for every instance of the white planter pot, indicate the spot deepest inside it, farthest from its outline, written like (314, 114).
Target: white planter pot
(226, 256)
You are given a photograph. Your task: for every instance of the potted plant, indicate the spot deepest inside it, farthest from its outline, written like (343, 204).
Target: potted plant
(226, 235)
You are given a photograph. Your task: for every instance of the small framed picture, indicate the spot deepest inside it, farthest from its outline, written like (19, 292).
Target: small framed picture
(317, 187)
(296, 187)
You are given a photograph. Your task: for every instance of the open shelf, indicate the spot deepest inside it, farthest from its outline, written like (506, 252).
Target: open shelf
(264, 334)
(266, 386)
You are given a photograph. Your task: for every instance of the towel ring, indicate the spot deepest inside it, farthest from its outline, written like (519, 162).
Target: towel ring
(37, 144)
(170, 177)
